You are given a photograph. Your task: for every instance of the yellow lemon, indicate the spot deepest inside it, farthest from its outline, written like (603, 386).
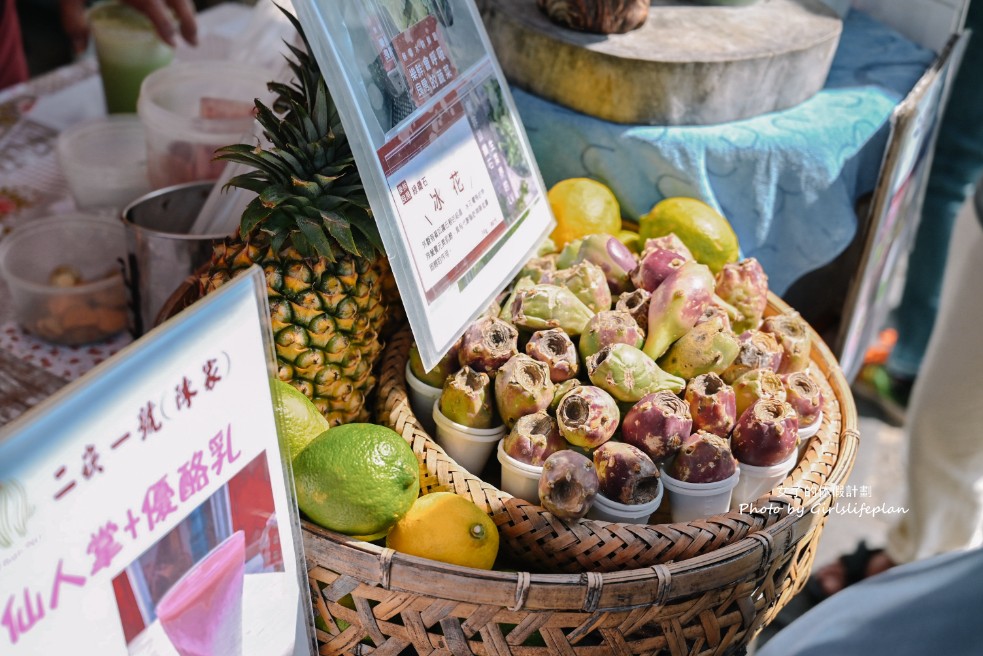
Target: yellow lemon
(582, 207)
(446, 527)
(297, 417)
(705, 231)
(357, 479)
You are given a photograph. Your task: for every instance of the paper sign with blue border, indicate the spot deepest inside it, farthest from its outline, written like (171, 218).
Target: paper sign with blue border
(145, 509)
(450, 175)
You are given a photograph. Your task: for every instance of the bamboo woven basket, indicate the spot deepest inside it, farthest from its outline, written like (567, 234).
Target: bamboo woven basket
(702, 587)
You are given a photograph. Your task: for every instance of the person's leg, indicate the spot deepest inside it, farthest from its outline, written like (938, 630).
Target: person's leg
(945, 461)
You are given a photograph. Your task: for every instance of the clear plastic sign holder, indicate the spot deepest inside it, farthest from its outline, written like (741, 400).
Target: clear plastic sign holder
(449, 172)
(146, 508)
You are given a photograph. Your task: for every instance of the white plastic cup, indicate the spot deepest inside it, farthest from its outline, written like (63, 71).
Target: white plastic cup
(422, 397)
(608, 510)
(519, 479)
(105, 161)
(755, 481)
(469, 447)
(808, 432)
(691, 501)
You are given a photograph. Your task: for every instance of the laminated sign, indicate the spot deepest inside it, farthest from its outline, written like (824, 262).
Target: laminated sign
(449, 173)
(145, 509)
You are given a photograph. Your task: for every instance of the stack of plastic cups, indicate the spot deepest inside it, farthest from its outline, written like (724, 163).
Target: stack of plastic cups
(469, 447)
(608, 510)
(755, 481)
(519, 479)
(422, 397)
(691, 501)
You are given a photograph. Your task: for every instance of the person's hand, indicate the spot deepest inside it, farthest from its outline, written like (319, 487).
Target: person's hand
(160, 13)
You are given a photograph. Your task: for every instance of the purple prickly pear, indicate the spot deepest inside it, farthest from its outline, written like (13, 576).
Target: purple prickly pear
(657, 425)
(467, 399)
(587, 416)
(712, 404)
(568, 484)
(657, 265)
(804, 395)
(550, 306)
(792, 334)
(522, 387)
(676, 306)
(587, 282)
(766, 434)
(533, 439)
(436, 376)
(539, 269)
(609, 327)
(744, 285)
(757, 384)
(669, 242)
(614, 258)
(703, 458)
(707, 347)
(635, 303)
(487, 344)
(556, 349)
(628, 374)
(625, 474)
(758, 350)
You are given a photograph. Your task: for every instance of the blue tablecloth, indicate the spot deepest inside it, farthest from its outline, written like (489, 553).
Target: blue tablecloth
(787, 181)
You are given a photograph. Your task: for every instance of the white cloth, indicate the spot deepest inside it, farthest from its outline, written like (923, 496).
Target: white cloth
(945, 413)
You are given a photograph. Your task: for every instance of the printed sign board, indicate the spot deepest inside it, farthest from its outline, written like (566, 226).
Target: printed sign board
(449, 172)
(144, 509)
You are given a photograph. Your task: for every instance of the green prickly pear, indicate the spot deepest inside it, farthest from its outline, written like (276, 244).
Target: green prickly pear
(676, 305)
(628, 374)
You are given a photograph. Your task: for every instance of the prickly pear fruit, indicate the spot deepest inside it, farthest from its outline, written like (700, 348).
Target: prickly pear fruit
(436, 376)
(568, 254)
(744, 285)
(635, 303)
(556, 349)
(521, 283)
(792, 333)
(546, 247)
(676, 306)
(715, 313)
(568, 484)
(712, 404)
(609, 327)
(757, 384)
(614, 258)
(467, 398)
(587, 416)
(625, 474)
(703, 458)
(657, 265)
(669, 242)
(766, 434)
(560, 390)
(522, 387)
(587, 282)
(487, 344)
(707, 347)
(628, 374)
(758, 351)
(657, 425)
(733, 315)
(804, 395)
(539, 269)
(550, 306)
(533, 439)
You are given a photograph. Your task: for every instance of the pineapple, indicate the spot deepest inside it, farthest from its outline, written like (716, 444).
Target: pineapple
(311, 230)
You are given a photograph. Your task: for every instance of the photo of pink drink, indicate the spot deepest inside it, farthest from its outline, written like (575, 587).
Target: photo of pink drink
(202, 612)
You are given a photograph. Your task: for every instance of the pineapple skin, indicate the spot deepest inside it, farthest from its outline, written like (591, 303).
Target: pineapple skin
(326, 317)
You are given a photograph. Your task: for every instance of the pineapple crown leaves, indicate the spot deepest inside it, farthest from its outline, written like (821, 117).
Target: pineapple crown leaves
(309, 192)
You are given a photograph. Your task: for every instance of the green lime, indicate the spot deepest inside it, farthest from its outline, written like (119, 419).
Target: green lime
(357, 479)
(705, 231)
(297, 416)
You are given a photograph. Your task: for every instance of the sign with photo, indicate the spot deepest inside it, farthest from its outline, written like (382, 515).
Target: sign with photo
(443, 156)
(145, 509)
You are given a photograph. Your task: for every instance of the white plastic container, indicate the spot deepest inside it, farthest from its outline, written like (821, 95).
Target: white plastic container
(807, 433)
(189, 110)
(105, 161)
(519, 479)
(691, 501)
(469, 447)
(609, 510)
(422, 397)
(755, 481)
